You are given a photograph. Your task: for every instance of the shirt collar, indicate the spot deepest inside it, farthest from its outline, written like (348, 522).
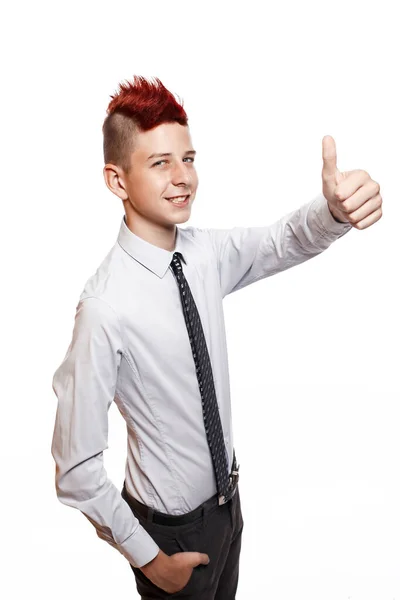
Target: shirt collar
(150, 256)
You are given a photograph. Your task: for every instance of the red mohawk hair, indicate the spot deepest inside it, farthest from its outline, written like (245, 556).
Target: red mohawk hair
(139, 105)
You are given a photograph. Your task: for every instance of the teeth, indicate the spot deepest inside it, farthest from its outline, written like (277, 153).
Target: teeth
(177, 201)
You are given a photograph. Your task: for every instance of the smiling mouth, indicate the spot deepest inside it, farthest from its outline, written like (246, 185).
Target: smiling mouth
(178, 199)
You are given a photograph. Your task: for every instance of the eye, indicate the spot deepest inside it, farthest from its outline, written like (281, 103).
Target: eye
(163, 161)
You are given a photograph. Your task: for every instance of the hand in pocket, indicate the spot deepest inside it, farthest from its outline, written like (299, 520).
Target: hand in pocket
(173, 573)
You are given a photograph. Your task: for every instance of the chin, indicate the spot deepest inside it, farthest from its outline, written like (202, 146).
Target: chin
(183, 219)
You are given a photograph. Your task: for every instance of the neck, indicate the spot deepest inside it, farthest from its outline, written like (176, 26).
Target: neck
(163, 236)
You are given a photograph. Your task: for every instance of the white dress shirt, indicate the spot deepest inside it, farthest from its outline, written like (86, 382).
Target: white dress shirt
(130, 345)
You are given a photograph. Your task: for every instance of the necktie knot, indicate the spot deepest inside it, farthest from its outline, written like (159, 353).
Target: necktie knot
(176, 261)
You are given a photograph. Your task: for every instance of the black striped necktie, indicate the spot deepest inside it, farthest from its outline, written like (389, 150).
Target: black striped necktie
(212, 420)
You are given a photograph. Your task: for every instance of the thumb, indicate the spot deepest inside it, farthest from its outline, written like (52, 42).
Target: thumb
(197, 558)
(329, 168)
(205, 559)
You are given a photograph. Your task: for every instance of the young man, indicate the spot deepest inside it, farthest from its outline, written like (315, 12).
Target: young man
(149, 334)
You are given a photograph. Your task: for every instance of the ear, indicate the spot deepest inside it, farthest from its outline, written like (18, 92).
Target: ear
(114, 179)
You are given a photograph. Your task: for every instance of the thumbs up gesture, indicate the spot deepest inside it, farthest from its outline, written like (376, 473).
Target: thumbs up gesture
(352, 196)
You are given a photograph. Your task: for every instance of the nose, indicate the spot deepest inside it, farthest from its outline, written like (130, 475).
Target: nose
(180, 174)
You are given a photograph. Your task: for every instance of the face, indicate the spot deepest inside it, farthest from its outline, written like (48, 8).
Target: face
(153, 179)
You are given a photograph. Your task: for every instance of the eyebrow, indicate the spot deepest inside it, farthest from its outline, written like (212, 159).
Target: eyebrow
(169, 154)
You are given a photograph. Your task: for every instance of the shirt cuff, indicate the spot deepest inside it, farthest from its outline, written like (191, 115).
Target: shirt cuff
(139, 548)
(329, 226)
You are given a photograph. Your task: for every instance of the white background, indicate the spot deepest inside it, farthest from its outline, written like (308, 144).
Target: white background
(313, 351)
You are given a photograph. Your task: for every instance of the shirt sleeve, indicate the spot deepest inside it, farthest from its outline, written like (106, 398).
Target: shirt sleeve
(247, 254)
(85, 385)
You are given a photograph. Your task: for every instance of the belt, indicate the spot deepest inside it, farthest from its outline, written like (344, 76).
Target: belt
(150, 514)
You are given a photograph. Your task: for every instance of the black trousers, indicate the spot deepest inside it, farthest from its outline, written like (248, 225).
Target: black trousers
(217, 531)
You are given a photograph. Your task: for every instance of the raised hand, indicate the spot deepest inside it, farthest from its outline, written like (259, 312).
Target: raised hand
(352, 196)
